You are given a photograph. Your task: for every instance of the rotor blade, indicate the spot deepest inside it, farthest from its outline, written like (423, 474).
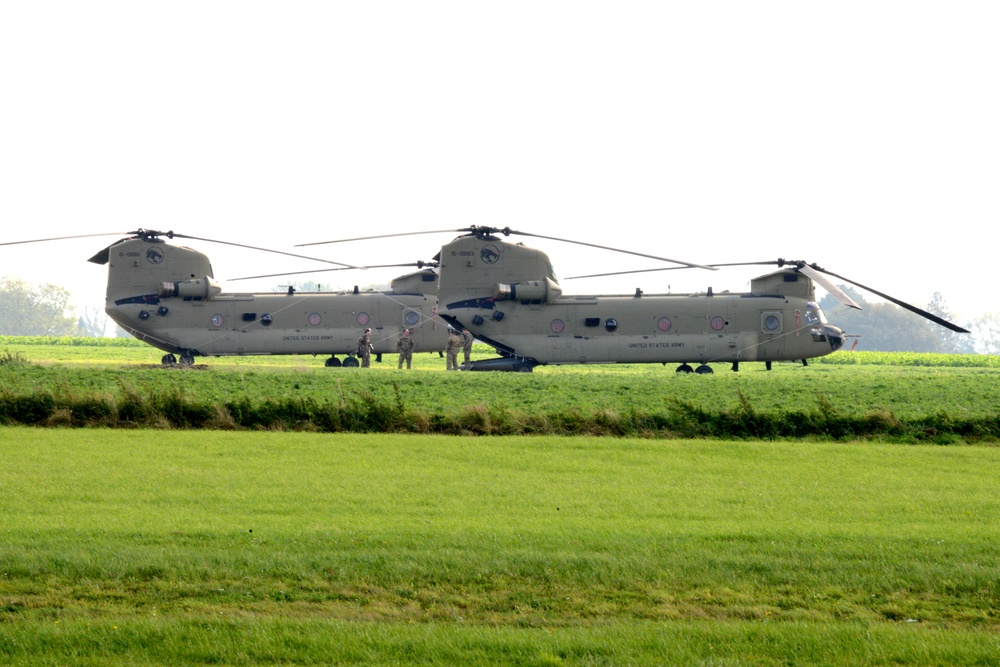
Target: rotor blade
(345, 268)
(627, 252)
(828, 285)
(277, 252)
(902, 304)
(287, 273)
(623, 273)
(779, 262)
(63, 238)
(380, 236)
(507, 231)
(149, 234)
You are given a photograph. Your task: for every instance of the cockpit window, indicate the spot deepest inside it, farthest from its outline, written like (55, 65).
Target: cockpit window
(551, 271)
(814, 315)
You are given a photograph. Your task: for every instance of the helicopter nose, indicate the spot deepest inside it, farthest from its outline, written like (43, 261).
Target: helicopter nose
(835, 335)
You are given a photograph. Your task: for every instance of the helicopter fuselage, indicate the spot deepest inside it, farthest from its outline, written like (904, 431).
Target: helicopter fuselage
(507, 295)
(166, 296)
(653, 329)
(265, 323)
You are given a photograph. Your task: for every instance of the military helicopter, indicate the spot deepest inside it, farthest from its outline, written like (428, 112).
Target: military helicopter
(166, 295)
(508, 296)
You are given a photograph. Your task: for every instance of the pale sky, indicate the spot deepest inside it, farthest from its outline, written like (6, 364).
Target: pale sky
(863, 136)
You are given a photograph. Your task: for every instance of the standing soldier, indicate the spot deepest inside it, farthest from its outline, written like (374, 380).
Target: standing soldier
(454, 347)
(365, 348)
(405, 347)
(467, 348)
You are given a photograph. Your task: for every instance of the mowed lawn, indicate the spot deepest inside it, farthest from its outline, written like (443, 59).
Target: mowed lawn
(198, 547)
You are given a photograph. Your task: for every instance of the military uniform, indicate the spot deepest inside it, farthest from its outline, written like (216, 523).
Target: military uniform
(454, 347)
(365, 349)
(467, 348)
(405, 347)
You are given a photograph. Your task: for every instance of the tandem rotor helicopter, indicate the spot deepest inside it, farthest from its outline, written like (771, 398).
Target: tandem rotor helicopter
(166, 295)
(508, 296)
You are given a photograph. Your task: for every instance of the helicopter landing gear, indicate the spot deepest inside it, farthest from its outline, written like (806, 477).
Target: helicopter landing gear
(684, 368)
(767, 365)
(704, 369)
(187, 358)
(736, 366)
(351, 362)
(168, 359)
(333, 362)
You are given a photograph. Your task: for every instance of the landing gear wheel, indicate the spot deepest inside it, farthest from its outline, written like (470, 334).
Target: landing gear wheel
(187, 359)
(168, 359)
(333, 362)
(523, 368)
(351, 362)
(684, 368)
(704, 370)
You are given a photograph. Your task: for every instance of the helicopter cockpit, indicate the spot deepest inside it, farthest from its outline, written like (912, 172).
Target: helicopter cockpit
(814, 315)
(821, 329)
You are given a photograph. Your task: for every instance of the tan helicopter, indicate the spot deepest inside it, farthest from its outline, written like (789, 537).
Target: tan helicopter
(508, 296)
(166, 295)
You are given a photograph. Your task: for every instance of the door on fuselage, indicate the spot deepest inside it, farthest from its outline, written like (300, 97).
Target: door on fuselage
(772, 335)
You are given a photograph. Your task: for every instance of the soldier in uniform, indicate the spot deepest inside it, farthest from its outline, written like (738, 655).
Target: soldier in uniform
(405, 347)
(467, 348)
(454, 347)
(365, 348)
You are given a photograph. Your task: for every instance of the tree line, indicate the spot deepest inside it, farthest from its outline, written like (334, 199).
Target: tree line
(44, 310)
(885, 327)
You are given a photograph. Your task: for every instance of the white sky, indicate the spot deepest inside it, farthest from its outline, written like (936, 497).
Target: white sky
(860, 135)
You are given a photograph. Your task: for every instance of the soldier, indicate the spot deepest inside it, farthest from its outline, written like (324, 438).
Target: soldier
(405, 347)
(454, 346)
(467, 348)
(365, 348)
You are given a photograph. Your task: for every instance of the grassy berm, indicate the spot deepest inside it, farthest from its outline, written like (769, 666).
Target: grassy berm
(941, 399)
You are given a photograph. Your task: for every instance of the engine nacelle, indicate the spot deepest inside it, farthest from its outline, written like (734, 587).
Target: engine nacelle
(198, 288)
(529, 291)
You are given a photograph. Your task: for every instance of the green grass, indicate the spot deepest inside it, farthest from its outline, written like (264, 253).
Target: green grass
(125, 547)
(195, 547)
(910, 403)
(906, 385)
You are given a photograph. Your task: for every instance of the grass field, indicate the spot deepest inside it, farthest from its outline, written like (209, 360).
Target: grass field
(158, 546)
(908, 398)
(193, 547)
